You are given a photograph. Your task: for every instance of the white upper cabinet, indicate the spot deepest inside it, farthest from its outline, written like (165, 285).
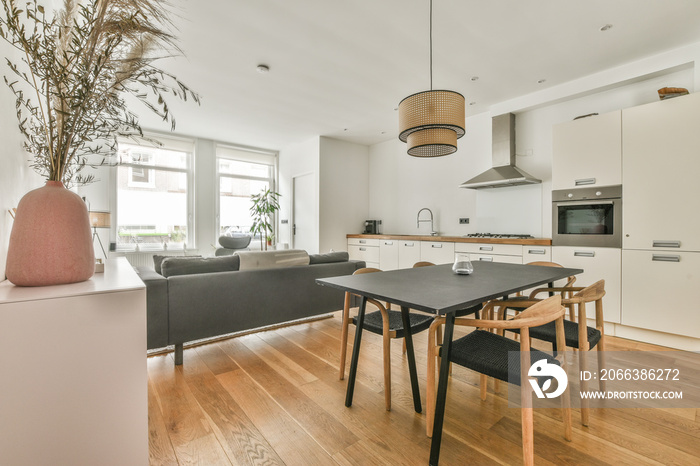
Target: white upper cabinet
(587, 152)
(661, 164)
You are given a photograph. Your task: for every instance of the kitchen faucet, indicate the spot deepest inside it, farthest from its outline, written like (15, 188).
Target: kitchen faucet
(418, 220)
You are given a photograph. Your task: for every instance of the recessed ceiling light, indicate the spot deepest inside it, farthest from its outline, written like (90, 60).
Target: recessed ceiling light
(606, 27)
(474, 78)
(262, 69)
(540, 81)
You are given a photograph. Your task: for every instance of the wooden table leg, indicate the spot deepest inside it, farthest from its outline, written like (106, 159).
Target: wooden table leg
(408, 338)
(355, 352)
(442, 388)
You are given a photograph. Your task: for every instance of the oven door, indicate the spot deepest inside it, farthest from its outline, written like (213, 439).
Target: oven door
(594, 223)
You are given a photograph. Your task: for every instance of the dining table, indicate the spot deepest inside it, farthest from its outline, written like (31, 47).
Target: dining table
(437, 290)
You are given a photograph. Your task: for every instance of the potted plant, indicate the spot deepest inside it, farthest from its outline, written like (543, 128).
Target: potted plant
(264, 206)
(77, 67)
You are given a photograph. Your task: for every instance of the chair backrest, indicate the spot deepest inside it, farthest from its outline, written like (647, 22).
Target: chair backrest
(541, 312)
(422, 264)
(592, 292)
(369, 300)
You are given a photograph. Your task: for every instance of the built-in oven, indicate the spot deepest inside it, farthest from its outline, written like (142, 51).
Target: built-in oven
(587, 217)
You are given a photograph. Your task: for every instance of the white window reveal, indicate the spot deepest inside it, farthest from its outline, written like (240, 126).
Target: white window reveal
(154, 196)
(241, 173)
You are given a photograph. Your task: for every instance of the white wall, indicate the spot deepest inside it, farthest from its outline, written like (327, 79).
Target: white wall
(16, 177)
(344, 192)
(400, 184)
(298, 159)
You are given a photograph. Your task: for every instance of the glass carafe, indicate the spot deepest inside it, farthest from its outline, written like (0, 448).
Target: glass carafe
(462, 265)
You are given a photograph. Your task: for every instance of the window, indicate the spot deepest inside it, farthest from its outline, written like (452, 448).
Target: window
(241, 173)
(154, 196)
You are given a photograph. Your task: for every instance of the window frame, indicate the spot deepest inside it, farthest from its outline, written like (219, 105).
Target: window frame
(243, 154)
(186, 145)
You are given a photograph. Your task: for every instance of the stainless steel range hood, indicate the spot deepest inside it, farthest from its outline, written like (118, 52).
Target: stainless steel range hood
(504, 172)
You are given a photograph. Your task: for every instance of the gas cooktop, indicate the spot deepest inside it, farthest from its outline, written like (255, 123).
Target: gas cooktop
(497, 235)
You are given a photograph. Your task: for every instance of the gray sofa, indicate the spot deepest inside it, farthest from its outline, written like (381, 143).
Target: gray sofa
(184, 306)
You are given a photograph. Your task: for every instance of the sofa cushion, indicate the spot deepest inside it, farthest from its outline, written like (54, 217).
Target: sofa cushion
(158, 261)
(258, 260)
(337, 256)
(234, 242)
(193, 265)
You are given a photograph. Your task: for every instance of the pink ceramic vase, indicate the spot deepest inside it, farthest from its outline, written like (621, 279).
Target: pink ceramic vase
(51, 240)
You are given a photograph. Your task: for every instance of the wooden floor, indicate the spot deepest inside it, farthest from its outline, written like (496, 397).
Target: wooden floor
(275, 398)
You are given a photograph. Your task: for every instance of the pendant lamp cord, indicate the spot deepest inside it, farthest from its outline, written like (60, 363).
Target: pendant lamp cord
(431, 45)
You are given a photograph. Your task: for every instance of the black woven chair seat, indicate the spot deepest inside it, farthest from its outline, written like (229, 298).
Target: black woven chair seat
(374, 323)
(548, 332)
(487, 353)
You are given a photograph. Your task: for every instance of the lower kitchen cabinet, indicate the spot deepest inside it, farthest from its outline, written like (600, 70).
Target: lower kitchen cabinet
(658, 291)
(437, 252)
(388, 254)
(364, 250)
(537, 254)
(505, 253)
(597, 263)
(409, 253)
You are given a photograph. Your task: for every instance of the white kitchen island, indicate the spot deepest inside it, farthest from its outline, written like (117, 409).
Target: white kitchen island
(73, 379)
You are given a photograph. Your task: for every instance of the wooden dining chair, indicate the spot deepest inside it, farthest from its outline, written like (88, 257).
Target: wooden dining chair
(385, 322)
(487, 353)
(577, 332)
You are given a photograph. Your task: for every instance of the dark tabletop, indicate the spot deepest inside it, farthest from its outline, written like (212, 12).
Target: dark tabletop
(437, 289)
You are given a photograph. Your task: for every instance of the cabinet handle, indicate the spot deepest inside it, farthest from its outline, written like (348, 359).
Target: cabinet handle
(584, 181)
(536, 251)
(408, 245)
(485, 248)
(665, 258)
(388, 243)
(363, 249)
(486, 259)
(666, 244)
(584, 254)
(363, 241)
(436, 245)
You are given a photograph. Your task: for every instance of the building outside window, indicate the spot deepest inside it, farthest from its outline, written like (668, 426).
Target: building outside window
(241, 173)
(155, 196)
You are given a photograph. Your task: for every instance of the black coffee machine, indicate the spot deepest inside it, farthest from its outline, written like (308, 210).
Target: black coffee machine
(372, 227)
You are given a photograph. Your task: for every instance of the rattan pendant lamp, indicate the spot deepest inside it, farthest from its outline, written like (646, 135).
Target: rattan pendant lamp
(430, 122)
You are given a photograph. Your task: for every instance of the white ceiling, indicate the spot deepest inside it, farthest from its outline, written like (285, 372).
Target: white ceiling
(340, 67)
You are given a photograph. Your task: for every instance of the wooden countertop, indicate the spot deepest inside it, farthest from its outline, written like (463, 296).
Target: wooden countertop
(460, 239)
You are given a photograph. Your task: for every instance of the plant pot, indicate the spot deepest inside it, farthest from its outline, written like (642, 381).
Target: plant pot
(51, 240)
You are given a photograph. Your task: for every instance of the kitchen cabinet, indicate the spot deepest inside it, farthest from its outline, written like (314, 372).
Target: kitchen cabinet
(588, 151)
(658, 291)
(437, 252)
(507, 253)
(388, 254)
(536, 254)
(364, 249)
(74, 378)
(409, 253)
(597, 263)
(661, 162)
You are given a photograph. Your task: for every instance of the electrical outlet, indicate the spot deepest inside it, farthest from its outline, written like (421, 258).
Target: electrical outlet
(463, 221)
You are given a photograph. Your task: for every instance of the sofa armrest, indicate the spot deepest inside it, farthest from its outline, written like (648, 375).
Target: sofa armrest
(156, 306)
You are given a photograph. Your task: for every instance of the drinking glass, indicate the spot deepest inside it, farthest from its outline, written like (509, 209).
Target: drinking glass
(462, 265)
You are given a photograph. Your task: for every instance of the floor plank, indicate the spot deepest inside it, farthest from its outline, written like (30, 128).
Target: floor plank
(274, 397)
